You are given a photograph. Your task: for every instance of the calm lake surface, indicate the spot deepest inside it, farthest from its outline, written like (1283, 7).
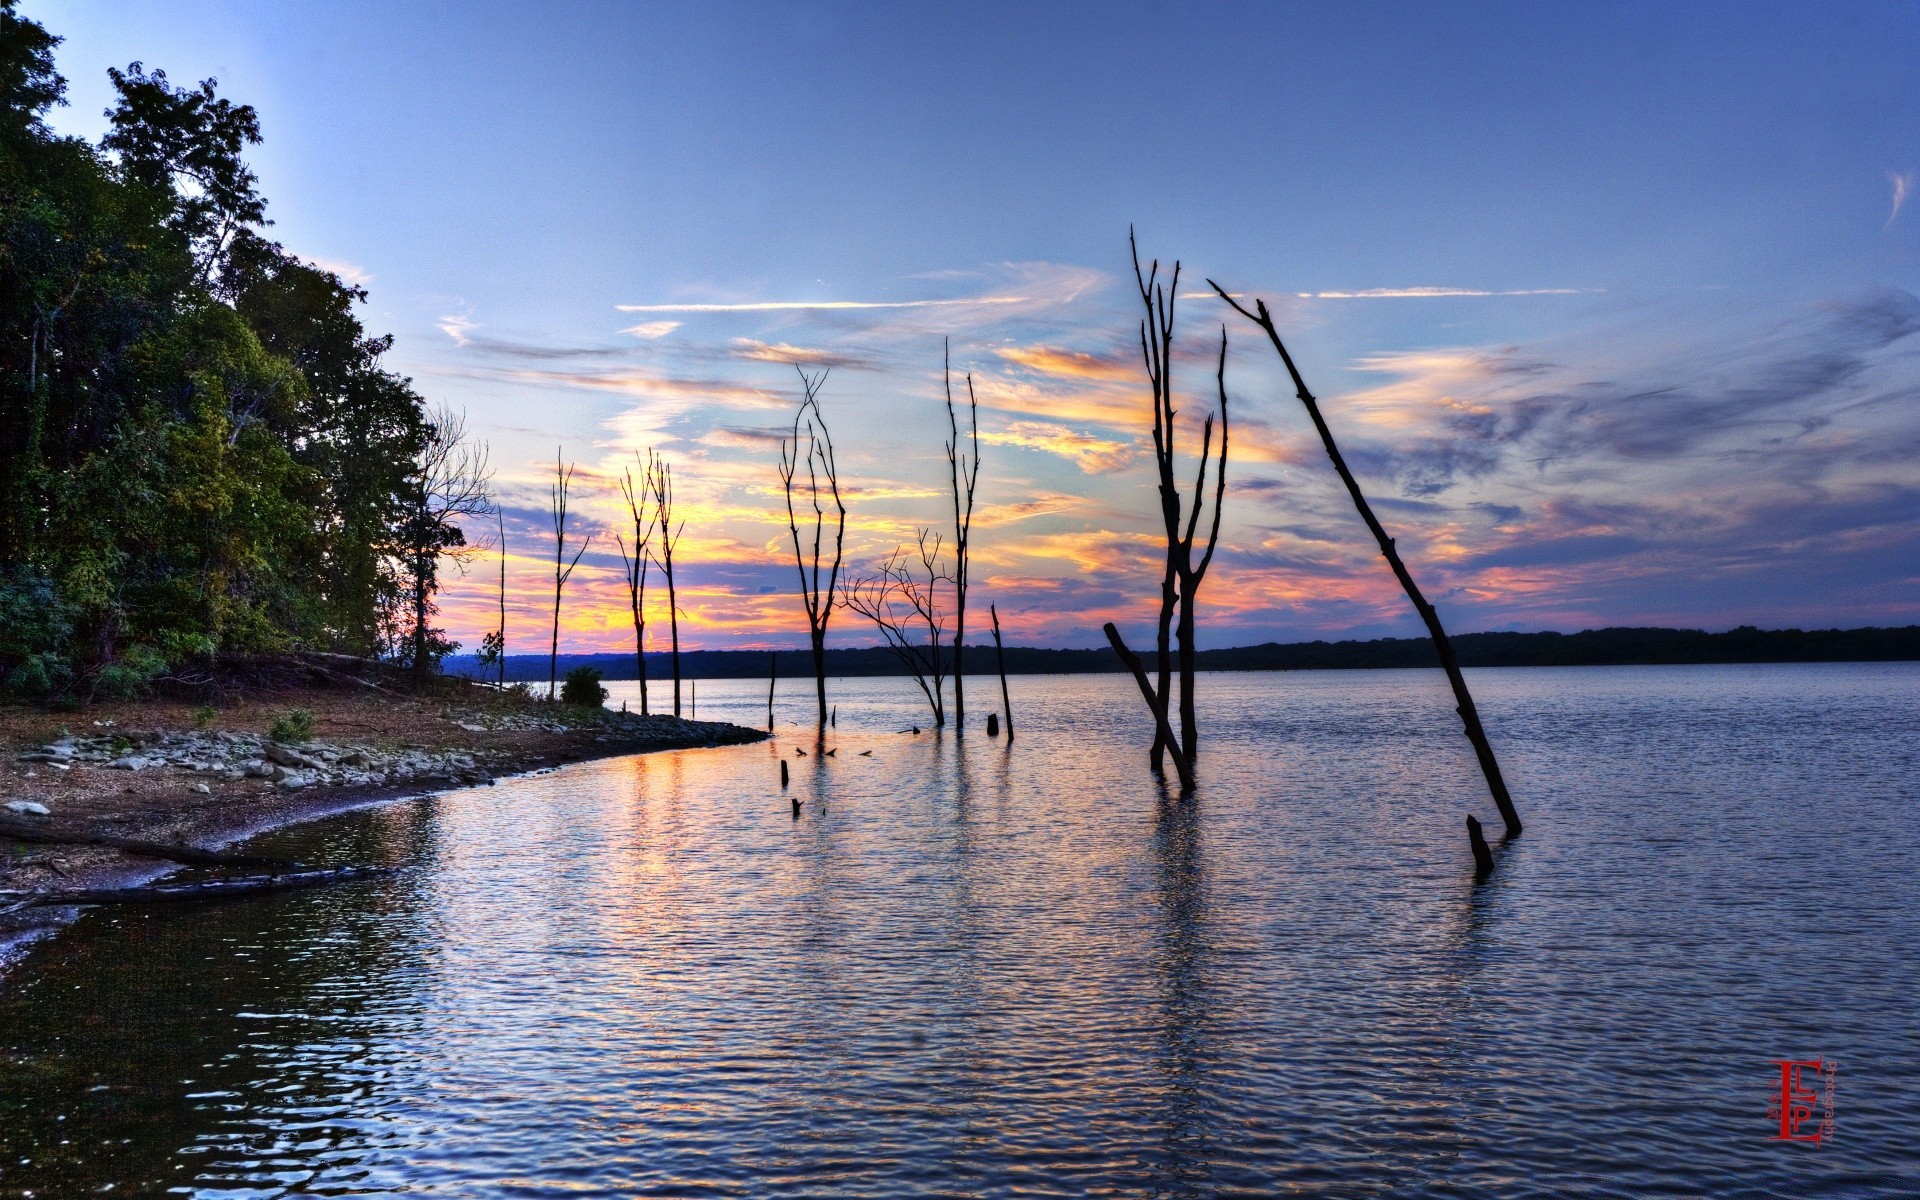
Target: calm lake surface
(969, 969)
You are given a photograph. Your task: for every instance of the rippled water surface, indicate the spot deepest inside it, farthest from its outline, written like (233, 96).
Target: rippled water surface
(975, 969)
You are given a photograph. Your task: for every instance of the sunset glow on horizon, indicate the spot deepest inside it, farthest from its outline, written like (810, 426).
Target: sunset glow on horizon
(1617, 329)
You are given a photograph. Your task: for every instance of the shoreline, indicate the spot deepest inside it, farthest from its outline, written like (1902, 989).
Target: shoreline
(435, 745)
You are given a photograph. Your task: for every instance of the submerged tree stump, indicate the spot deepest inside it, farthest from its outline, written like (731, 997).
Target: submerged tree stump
(1482, 855)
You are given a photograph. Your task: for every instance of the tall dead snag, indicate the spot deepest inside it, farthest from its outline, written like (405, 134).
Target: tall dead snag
(500, 638)
(818, 598)
(562, 566)
(773, 673)
(900, 601)
(661, 472)
(636, 563)
(1180, 581)
(963, 471)
(1469, 715)
(1000, 660)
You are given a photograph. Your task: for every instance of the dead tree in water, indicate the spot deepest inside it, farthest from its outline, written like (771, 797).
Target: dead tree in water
(963, 473)
(636, 564)
(1469, 715)
(661, 473)
(1000, 659)
(1155, 704)
(773, 673)
(818, 456)
(1180, 581)
(562, 567)
(898, 601)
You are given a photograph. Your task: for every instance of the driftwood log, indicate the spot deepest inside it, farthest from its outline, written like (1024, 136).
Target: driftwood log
(1154, 703)
(20, 831)
(1463, 699)
(209, 889)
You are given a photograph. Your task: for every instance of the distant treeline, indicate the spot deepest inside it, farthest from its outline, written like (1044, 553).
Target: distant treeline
(1590, 648)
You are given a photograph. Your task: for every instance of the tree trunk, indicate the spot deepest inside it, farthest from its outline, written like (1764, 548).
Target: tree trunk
(820, 672)
(1189, 723)
(673, 623)
(1463, 699)
(421, 666)
(959, 662)
(1000, 660)
(1158, 709)
(1169, 598)
(553, 648)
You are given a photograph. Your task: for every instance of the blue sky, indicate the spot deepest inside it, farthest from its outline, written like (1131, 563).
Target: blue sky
(1681, 389)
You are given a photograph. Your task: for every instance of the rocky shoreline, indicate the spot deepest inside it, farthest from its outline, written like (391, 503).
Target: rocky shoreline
(177, 775)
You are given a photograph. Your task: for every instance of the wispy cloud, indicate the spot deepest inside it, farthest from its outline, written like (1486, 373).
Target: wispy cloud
(351, 272)
(1902, 187)
(1070, 364)
(652, 330)
(1431, 293)
(806, 305)
(457, 326)
(785, 354)
(1091, 454)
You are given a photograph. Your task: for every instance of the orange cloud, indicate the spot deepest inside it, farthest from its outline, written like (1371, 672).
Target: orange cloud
(1070, 364)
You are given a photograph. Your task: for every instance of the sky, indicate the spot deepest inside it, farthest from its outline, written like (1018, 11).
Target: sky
(1612, 307)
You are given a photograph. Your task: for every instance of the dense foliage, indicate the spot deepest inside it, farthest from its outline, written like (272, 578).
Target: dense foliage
(200, 451)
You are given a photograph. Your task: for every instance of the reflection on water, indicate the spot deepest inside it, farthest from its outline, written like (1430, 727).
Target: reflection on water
(974, 970)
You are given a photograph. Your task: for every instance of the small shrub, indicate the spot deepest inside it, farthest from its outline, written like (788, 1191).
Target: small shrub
(296, 726)
(583, 688)
(36, 632)
(204, 715)
(38, 676)
(129, 676)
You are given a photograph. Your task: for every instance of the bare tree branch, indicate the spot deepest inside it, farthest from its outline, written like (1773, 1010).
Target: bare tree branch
(819, 459)
(1463, 699)
(562, 484)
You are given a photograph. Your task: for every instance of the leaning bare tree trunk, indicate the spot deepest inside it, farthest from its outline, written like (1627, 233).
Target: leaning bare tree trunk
(1000, 660)
(1469, 714)
(1154, 703)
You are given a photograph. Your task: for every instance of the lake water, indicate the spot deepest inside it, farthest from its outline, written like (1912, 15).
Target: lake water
(975, 969)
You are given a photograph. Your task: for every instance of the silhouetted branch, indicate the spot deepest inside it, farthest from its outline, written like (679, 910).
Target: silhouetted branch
(1469, 714)
(1154, 704)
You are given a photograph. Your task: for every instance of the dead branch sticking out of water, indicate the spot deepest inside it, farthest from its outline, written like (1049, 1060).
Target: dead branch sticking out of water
(899, 602)
(1469, 715)
(1000, 659)
(1154, 703)
(1482, 856)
